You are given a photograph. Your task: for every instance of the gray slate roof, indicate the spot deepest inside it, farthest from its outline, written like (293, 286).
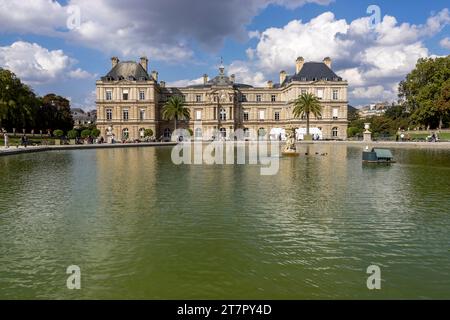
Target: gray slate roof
(128, 70)
(314, 71)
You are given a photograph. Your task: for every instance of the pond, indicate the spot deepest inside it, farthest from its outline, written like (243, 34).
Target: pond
(139, 226)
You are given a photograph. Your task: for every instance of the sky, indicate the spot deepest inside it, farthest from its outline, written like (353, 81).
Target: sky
(63, 46)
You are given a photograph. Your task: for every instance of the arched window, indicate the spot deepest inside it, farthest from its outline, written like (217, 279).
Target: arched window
(125, 134)
(198, 133)
(167, 133)
(223, 114)
(223, 132)
(334, 132)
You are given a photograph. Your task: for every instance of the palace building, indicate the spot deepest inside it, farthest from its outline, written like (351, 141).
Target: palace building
(130, 100)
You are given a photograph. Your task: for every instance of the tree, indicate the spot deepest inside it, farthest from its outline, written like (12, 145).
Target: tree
(175, 109)
(55, 113)
(443, 103)
(18, 103)
(307, 104)
(352, 113)
(422, 88)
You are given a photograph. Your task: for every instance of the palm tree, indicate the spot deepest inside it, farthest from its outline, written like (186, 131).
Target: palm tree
(175, 109)
(306, 104)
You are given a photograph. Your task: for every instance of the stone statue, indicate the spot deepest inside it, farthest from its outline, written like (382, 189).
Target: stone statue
(109, 135)
(290, 141)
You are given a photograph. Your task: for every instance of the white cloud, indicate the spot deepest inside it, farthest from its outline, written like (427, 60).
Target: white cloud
(353, 76)
(445, 43)
(185, 82)
(436, 23)
(163, 30)
(81, 74)
(314, 40)
(375, 93)
(36, 65)
(373, 59)
(244, 74)
(32, 16)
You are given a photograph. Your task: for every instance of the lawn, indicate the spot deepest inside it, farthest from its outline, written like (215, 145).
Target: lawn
(422, 135)
(31, 140)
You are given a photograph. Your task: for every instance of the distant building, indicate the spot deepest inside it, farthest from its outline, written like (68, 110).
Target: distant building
(130, 100)
(82, 118)
(376, 109)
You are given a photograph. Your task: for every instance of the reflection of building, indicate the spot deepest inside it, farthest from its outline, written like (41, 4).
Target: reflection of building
(129, 100)
(377, 109)
(82, 118)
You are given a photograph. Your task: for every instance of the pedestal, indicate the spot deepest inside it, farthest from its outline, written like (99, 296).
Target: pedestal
(367, 136)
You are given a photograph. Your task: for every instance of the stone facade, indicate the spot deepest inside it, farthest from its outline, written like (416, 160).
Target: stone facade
(129, 100)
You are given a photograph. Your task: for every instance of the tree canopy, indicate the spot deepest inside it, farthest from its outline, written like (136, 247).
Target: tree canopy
(425, 91)
(21, 108)
(175, 109)
(307, 104)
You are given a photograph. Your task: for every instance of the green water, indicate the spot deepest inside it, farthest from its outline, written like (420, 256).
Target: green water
(140, 227)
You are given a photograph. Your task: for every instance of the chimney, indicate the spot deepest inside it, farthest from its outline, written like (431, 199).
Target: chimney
(162, 84)
(205, 78)
(270, 84)
(114, 61)
(282, 76)
(144, 63)
(233, 78)
(155, 75)
(327, 61)
(299, 64)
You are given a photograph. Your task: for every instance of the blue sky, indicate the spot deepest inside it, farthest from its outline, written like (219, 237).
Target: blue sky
(185, 39)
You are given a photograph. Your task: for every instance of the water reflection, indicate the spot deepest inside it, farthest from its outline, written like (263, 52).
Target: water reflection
(142, 227)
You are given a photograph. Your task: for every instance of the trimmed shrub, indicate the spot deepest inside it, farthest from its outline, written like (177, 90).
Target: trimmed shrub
(72, 134)
(95, 132)
(85, 133)
(58, 133)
